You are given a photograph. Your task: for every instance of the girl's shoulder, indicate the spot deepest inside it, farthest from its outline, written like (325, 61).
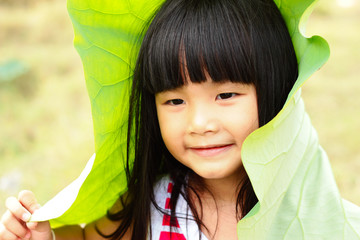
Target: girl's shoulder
(162, 184)
(158, 208)
(162, 191)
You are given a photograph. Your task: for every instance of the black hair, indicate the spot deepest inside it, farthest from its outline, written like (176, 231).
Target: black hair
(243, 41)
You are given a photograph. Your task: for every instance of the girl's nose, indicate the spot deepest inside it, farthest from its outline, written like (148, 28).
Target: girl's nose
(202, 121)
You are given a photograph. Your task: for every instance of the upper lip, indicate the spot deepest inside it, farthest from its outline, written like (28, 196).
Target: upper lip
(210, 146)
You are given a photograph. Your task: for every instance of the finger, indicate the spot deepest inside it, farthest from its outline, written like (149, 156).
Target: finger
(28, 200)
(40, 230)
(12, 224)
(39, 226)
(32, 225)
(6, 235)
(17, 209)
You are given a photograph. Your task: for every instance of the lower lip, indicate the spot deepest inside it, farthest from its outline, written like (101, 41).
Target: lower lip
(211, 152)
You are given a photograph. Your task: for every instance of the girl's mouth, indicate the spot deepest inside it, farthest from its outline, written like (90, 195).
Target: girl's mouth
(211, 151)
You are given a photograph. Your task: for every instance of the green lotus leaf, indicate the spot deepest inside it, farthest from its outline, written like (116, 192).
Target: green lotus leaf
(290, 172)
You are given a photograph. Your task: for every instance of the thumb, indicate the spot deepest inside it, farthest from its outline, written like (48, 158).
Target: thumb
(40, 230)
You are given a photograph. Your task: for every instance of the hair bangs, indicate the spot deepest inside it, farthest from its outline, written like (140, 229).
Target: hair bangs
(181, 46)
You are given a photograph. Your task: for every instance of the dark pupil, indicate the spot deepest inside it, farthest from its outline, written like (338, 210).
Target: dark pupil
(177, 101)
(225, 95)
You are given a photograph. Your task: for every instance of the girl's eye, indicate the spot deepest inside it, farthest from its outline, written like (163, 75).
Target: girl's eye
(175, 102)
(223, 96)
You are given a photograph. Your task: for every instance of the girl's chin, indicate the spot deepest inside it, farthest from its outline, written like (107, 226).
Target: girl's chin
(220, 175)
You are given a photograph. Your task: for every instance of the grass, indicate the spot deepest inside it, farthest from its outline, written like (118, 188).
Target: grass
(45, 119)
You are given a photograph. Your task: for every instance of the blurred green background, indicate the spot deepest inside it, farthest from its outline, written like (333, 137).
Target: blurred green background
(45, 120)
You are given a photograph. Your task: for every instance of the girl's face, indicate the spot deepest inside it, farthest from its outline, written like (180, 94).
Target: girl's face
(204, 125)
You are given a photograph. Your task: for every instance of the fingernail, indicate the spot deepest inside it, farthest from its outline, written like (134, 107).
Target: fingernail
(35, 208)
(26, 217)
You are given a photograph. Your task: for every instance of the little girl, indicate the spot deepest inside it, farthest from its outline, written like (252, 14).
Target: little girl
(208, 74)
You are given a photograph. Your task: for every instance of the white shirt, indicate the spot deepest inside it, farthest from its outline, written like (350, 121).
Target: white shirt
(184, 227)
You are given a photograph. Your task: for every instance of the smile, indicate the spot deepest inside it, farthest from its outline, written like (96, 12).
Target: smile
(211, 151)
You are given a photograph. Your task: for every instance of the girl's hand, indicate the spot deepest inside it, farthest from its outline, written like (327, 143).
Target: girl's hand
(14, 223)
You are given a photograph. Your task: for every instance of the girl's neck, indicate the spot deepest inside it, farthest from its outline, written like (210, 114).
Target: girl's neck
(223, 191)
(216, 203)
